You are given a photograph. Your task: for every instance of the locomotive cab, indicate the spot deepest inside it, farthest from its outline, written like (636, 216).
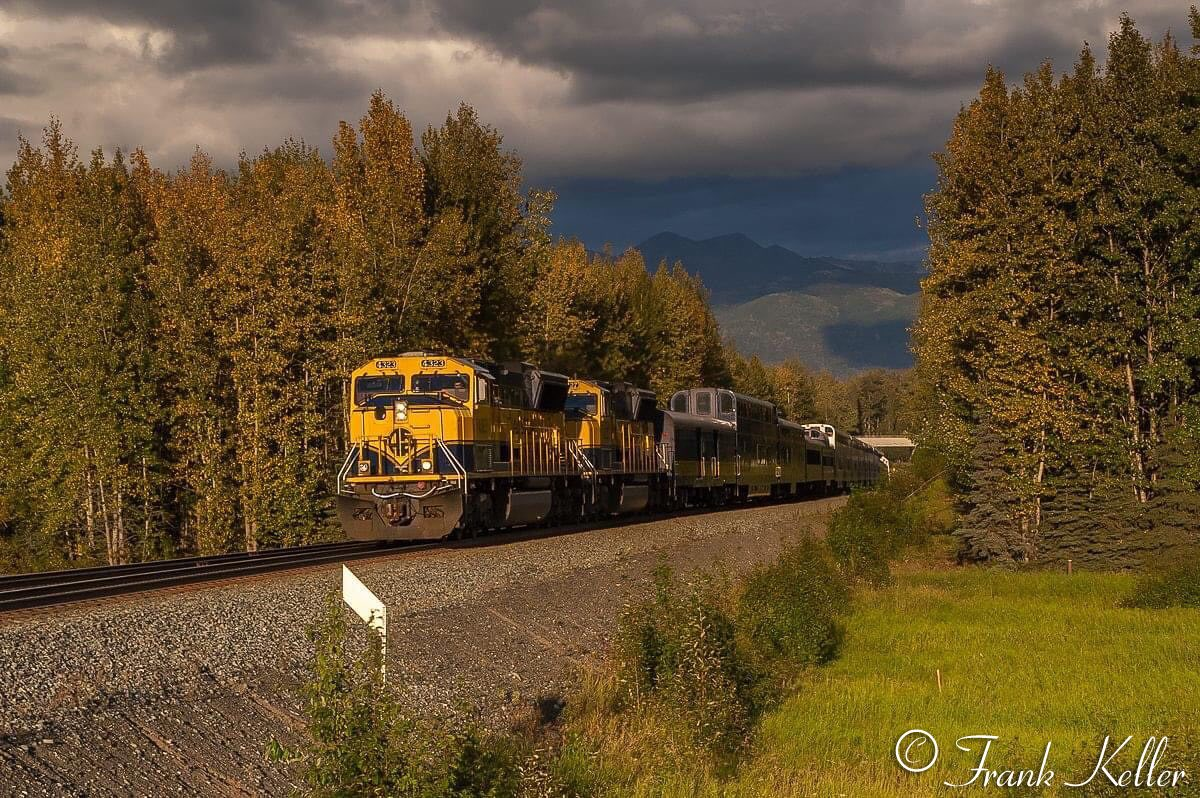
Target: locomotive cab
(442, 445)
(611, 427)
(412, 420)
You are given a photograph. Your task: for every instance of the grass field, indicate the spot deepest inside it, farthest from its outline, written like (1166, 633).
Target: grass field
(1028, 657)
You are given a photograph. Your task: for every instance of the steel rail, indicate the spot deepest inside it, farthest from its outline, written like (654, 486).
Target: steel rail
(196, 561)
(26, 591)
(51, 588)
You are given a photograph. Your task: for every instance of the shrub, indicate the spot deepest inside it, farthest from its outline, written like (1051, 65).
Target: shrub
(788, 612)
(865, 534)
(679, 655)
(706, 659)
(877, 524)
(358, 734)
(483, 764)
(1176, 584)
(363, 743)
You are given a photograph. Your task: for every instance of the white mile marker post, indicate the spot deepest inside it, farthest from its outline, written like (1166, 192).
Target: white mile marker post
(368, 607)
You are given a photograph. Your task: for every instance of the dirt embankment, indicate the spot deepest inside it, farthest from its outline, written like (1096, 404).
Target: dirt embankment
(179, 693)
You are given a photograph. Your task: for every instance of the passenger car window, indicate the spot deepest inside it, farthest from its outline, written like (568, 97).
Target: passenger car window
(726, 403)
(704, 404)
(679, 402)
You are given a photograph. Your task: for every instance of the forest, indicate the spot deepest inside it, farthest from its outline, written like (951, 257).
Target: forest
(1058, 342)
(174, 346)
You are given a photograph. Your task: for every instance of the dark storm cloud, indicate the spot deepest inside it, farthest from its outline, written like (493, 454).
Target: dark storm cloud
(694, 49)
(13, 81)
(687, 51)
(217, 32)
(646, 89)
(683, 50)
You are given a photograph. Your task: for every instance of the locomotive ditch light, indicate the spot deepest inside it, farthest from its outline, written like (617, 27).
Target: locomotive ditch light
(426, 465)
(401, 410)
(364, 467)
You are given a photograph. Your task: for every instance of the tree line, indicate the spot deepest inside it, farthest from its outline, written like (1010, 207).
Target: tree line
(872, 402)
(1058, 341)
(174, 346)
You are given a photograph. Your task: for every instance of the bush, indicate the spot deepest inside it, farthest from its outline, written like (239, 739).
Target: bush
(1171, 585)
(863, 536)
(877, 524)
(706, 659)
(679, 656)
(359, 736)
(363, 743)
(788, 611)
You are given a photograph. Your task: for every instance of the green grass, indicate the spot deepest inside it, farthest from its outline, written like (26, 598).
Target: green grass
(1030, 657)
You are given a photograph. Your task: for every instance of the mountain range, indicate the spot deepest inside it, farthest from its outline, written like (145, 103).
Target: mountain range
(838, 314)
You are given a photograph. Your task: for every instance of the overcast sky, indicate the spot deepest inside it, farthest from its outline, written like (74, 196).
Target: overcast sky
(803, 123)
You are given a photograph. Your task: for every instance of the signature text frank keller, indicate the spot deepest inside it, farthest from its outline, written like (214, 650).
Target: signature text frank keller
(917, 751)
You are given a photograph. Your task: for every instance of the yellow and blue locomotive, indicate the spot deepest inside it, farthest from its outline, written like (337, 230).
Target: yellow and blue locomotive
(610, 429)
(446, 446)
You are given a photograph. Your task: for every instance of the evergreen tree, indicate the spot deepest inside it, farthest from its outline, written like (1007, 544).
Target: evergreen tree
(470, 181)
(194, 236)
(77, 323)
(991, 529)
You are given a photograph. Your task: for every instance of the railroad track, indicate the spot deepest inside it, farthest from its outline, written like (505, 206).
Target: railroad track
(27, 591)
(38, 591)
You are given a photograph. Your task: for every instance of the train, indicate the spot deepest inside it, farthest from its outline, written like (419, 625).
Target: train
(449, 447)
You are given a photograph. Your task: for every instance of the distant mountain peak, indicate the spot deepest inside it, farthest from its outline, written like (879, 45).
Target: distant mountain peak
(667, 235)
(733, 238)
(834, 313)
(736, 268)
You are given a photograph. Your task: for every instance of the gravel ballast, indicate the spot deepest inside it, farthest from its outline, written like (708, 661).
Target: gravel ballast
(178, 692)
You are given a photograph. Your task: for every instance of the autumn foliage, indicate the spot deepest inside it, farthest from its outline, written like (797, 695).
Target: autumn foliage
(174, 346)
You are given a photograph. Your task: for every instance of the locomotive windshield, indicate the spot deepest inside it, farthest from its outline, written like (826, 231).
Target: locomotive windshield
(454, 386)
(580, 404)
(366, 388)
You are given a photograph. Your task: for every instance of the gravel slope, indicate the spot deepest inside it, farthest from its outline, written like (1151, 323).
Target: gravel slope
(179, 692)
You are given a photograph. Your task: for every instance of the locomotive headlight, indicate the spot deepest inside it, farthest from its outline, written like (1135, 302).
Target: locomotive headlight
(426, 465)
(401, 410)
